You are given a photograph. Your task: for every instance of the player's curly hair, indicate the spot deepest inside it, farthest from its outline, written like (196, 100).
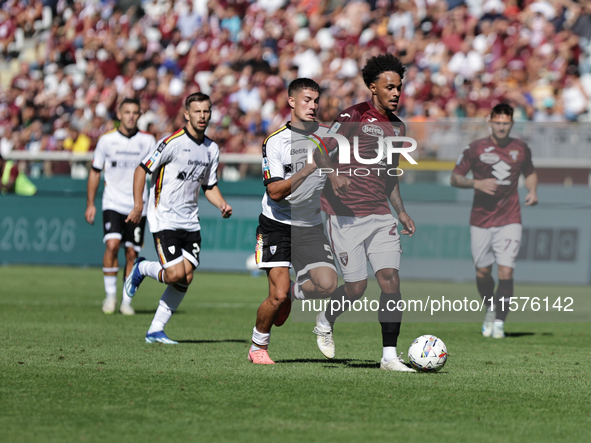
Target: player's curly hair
(381, 63)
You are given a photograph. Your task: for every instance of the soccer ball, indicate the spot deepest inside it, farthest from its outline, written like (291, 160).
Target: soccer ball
(427, 353)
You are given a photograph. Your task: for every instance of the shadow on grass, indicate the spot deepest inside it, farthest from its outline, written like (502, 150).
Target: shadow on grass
(518, 334)
(337, 361)
(145, 311)
(230, 340)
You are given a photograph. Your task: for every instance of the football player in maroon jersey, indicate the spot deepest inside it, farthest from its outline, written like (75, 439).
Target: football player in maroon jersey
(495, 222)
(360, 224)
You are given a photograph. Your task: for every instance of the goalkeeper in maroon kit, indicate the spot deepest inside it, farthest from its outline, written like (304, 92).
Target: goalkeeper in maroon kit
(495, 222)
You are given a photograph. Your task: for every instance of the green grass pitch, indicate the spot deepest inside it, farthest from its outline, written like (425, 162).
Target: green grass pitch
(69, 373)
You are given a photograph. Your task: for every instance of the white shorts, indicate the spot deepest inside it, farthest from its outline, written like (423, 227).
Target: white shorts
(355, 240)
(500, 244)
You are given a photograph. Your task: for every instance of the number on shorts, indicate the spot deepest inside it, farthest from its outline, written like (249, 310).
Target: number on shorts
(327, 249)
(508, 240)
(394, 231)
(137, 234)
(195, 249)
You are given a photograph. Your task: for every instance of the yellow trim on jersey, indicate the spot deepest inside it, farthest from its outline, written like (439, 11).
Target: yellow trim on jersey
(283, 128)
(174, 135)
(158, 187)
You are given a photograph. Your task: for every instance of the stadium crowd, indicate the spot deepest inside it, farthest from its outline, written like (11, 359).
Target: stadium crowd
(462, 58)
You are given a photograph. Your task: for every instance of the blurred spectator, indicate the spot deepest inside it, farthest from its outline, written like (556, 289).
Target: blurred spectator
(461, 57)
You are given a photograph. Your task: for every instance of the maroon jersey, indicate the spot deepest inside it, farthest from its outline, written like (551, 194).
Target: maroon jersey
(487, 160)
(368, 192)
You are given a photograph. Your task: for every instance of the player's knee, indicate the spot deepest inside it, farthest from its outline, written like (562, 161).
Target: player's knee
(174, 275)
(483, 273)
(356, 290)
(278, 295)
(505, 273)
(389, 280)
(112, 246)
(325, 284)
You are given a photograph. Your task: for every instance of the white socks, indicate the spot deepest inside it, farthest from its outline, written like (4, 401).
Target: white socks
(389, 353)
(169, 303)
(150, 269)
(259, 340)
(324, 322)
(110, 283)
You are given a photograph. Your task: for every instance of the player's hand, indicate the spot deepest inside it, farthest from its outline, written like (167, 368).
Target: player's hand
(90, 213)
(309, 168)
(531, 199)
(135, 216)
(407, 223)
(340, 184)
(488, 185)
(226, 210)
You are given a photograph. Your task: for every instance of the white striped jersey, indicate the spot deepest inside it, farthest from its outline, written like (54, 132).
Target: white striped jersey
(117, 156)
(285, 152)
(180, 166)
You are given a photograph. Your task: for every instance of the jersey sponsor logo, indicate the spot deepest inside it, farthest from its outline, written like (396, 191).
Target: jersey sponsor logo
(489, 158)
(344, 258)
(490, 148)
(335, 127)
(373, 130)
(371, 120)
(273, 249)
(197, 163)
(502, 171)
(153, 159)
(182, 175)
(514, 155)
(299, 151)
(266, 171)
(171, 249)
(346, 115)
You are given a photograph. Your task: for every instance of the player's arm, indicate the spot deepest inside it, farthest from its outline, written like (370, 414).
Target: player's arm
(94, 177)
(340, 183)
(531, 184)
(280, 189)
(139, 181)
(459, 180)
(214, 195)
(398, 205)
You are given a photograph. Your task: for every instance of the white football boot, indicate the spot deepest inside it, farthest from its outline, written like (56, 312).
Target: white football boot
(487, 326)
(109, 305)
(498, 329)
(397, 364)
(324, 340)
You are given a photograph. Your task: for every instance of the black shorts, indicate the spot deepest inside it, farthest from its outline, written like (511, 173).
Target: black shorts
(308, 250)
(130, 235)
(172, 246)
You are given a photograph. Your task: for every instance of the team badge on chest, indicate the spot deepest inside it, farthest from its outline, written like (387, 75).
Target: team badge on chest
(514, 155)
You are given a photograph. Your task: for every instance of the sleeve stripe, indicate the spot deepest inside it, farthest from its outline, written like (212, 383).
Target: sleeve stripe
(276, 132)
(174, 135)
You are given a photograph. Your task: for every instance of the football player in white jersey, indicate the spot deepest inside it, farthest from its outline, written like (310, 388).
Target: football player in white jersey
(181, 164)
(290, 227)
(117, 154)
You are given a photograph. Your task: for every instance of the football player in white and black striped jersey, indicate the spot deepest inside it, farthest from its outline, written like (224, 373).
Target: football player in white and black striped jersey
(181, 164)
(117, 154)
